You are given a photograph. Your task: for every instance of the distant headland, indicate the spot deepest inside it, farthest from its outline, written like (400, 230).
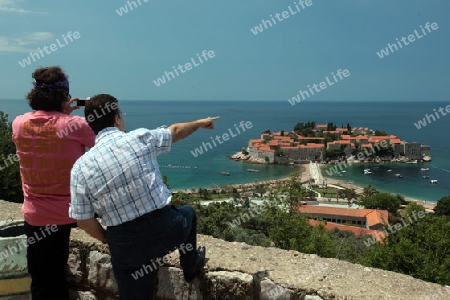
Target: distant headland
(329, 144)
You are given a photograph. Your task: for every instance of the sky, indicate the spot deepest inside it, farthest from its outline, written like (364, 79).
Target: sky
(124, 55)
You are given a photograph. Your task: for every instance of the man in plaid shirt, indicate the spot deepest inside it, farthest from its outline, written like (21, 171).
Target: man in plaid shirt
(119, 180)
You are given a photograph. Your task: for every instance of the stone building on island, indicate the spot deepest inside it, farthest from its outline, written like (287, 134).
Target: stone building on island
(293, 148)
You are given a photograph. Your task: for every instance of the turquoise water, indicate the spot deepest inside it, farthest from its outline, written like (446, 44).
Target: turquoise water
(204, 170)
(412, 185)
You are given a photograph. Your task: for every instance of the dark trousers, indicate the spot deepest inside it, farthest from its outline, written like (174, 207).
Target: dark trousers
(47, 261)
(137, 248)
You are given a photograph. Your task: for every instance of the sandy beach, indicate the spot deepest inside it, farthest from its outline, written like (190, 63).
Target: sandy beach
(306, 176)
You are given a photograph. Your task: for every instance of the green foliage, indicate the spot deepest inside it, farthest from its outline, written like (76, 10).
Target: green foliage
(380, 133)
(443, 207)
(369, 191)
(421, 250)
(420, 247)
(244, 151)
(334, 153)
(413, 207)
(10, 181)
(331, 126)
(204, 193)
(279, 151)
(165, 181)
(384, 201)
(305, 129)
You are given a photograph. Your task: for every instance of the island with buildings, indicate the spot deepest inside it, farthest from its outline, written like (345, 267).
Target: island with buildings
(329, 144)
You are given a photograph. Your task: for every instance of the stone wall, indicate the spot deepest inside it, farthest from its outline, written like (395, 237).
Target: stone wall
(239, 271)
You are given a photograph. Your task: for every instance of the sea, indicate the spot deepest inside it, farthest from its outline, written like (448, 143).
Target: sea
(186, 170)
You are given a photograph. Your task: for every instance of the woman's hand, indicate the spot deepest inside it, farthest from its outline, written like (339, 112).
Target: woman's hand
(67, 109)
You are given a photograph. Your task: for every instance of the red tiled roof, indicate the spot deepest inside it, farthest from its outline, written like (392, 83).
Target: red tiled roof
(257, 141)
(377, 234)
(373, 216)
(362, 137)
(311, 145)
(343, 142)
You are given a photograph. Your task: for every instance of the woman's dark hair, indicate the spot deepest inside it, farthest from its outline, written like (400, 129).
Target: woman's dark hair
(48, 98)
(100, 112)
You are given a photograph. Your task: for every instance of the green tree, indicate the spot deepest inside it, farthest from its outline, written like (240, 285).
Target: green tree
(413, 207)
(165, 181)
(278, 151)
(384, 201)
(420, 250)
(443, 207)
(350, 194)
(369, 191)
(380, 133)
(10, 181)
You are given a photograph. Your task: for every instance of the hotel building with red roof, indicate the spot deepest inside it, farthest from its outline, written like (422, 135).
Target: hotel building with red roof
(296, 148)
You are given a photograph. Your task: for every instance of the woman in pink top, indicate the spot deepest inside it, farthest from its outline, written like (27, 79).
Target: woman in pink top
(48, 142)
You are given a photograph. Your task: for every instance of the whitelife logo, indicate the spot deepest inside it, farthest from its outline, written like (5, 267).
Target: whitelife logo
(90, 118)
(323, 85)
(281, 17)
(225, 137)
(431, 118)
(411, 38)
(53, 47)
(187, 66)
(31, 240)
(124, 9)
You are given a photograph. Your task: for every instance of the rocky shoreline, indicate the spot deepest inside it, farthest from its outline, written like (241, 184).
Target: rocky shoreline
(247, 158)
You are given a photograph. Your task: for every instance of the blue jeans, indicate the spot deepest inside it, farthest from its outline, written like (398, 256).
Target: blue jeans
(137, 248)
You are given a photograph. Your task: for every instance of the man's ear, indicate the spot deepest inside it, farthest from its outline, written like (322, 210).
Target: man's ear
(117, 119)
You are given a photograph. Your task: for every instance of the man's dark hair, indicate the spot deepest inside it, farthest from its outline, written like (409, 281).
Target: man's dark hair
(100, 112)
(41, 98)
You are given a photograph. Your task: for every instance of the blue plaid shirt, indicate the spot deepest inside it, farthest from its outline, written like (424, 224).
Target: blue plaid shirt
(119, 178)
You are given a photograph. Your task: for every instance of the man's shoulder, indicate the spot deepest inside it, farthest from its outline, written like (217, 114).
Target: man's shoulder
(146, 131)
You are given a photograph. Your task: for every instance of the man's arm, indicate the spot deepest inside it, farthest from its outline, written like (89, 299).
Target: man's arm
(183, 130)
(94, 228)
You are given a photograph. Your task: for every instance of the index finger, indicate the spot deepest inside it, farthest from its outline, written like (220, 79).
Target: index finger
(215, 118)
(72, 100)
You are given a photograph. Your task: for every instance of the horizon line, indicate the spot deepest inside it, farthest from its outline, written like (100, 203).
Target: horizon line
(253, 100)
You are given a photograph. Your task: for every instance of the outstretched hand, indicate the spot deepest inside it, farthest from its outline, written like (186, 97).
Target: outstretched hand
(67, 109)
(208, 123)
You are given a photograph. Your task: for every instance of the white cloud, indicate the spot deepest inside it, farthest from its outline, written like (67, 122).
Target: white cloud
(11, 6)
(26, 43)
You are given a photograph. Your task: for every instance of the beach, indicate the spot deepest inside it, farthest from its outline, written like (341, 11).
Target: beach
(307, 176)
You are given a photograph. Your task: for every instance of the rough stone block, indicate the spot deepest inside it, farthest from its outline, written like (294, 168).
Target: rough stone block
(13, 250)
(16, 297)
(79, 295)
(74, 266)
(272, 291)
(225, 285)
(313, 297)
(171, 285)
(100, 272)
